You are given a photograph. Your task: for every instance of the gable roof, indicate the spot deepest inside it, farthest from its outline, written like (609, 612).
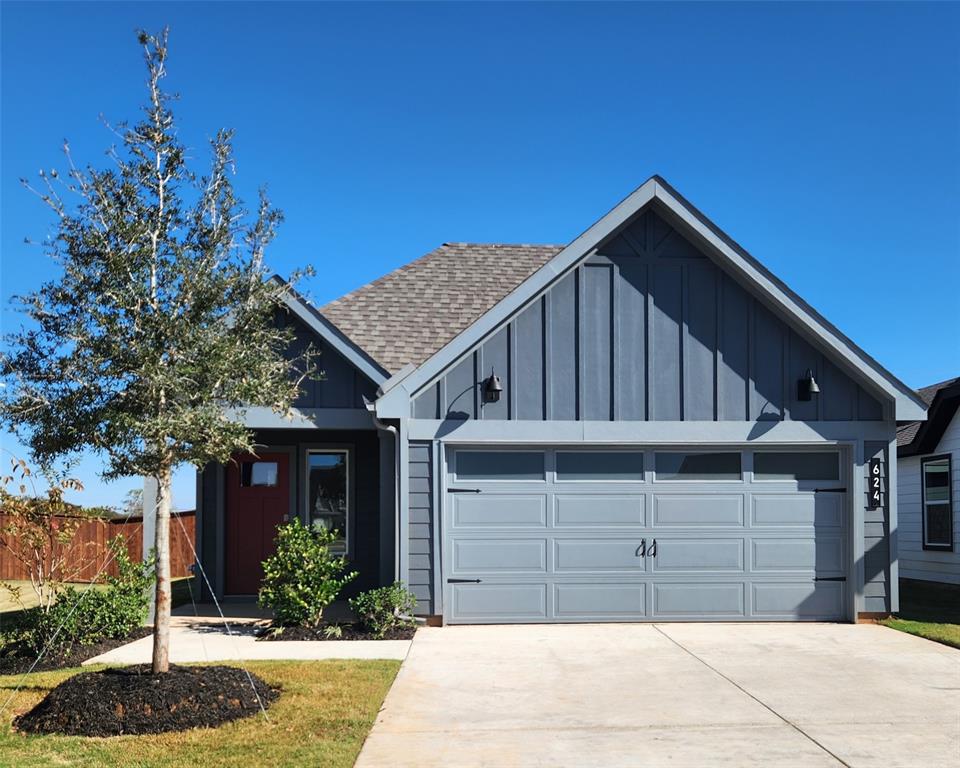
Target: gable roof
(696, 226)
(917, 437)
(409, 314)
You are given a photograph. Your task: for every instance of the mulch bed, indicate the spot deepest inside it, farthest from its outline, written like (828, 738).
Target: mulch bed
(348, 632)
(17, 665)
(131, 700)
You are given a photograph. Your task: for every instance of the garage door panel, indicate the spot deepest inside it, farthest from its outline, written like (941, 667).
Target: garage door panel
(499, 555)
(699, 511)
(499, 602)
(823, 554)
(820, 510)
(579, 554)
(600, 601)
(597, 511)
(824, 599)
(490, 511)
(710, 554)
(698, 599)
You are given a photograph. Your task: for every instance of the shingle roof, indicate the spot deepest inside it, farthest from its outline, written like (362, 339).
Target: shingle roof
(407, 315)
(907, 432)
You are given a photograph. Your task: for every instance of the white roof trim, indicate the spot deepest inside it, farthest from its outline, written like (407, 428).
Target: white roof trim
(327, 331)
(909, 406)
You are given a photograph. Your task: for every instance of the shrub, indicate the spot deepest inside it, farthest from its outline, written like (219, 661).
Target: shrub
(304, 576)
(380, 610)
(86, 617)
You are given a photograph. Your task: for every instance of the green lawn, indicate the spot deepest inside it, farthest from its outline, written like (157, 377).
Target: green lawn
(321, 719)
(929, 610)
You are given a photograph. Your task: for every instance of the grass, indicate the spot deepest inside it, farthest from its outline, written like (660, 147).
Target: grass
(321, 719)
(929, 610)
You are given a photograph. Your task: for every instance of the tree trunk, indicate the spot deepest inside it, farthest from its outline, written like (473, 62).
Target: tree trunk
(161, 622)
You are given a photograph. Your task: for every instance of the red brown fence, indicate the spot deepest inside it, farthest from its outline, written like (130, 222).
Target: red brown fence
(88, 549)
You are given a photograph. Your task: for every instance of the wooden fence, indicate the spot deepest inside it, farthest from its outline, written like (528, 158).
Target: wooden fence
(88, 550)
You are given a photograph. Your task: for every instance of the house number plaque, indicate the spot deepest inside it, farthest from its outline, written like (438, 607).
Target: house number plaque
(875, 490)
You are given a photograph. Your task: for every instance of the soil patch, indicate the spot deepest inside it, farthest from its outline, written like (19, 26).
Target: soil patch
(347, 632)
(131, 700)
(15, 664)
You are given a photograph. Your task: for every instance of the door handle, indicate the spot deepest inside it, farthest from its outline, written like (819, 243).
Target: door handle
(653, 549)
(463, 581)
(642, 549)
(463, 490)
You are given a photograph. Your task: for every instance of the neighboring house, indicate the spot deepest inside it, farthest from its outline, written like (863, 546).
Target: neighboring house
(643, 424)
(928, 488)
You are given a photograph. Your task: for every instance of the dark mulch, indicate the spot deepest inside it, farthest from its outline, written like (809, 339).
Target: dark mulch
(131, 700)
(348, 632)
(16, 664)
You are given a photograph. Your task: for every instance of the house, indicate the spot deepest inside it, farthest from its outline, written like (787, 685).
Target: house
(642, 424)
(928, 488)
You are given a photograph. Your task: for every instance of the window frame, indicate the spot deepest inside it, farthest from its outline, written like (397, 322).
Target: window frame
(698, 451)
(620, 480)
(347, 452)
(458, 478)
(949, 547)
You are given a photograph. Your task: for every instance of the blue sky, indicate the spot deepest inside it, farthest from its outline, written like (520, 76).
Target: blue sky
(825, 138)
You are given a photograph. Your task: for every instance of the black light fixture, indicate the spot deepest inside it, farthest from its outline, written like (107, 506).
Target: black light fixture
(492, 388)
(807, 387)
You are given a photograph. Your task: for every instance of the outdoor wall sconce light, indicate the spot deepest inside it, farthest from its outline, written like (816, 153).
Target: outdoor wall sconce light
(807, 387)
(492, 388)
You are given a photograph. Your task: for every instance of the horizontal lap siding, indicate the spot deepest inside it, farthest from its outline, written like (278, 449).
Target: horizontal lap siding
(647, 328)
(421, 526)
(915, 561)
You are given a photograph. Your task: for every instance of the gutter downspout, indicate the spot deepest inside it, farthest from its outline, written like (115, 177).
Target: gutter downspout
(371, 409)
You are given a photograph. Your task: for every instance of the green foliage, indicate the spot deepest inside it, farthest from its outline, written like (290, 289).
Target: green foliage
(381, 610)
(304, 576)
(333, 632)
(83, 617)
(162, 320)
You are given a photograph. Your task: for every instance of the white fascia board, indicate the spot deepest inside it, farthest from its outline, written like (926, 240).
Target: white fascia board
(395, 402)
(334, 337)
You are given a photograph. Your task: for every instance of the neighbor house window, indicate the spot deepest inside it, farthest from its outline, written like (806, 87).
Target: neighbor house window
(935, 475)
(258, 473)
(328, 494)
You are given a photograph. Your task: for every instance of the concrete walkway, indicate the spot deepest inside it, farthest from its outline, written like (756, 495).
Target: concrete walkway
(205, 639)
(671, 695)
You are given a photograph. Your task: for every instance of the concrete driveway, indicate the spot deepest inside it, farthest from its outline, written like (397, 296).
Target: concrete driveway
(671, 695)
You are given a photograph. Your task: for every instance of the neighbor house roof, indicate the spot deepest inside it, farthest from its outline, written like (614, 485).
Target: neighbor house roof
(916, 437)
(409, 314)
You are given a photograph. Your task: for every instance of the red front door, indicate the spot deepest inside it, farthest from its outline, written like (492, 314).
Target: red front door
(257, 500)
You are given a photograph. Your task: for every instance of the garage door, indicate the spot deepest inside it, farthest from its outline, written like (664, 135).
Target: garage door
(564, 535)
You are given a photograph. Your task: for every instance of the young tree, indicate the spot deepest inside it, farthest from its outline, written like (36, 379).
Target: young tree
(162, 326)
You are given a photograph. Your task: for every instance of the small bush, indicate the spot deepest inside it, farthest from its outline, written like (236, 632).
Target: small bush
(303, 577)
(380, 610)
(84, 617)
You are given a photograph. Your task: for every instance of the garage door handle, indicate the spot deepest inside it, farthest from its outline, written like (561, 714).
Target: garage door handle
(463, 581)
(829, 578)
(653, 549)
(463, 490)
(642, 549)
(829, 490)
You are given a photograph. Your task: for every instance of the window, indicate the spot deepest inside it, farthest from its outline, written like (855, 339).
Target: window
(808, 465)
(328, 491)
(599, 465)
(258, 473)
(697, 466)
(935, 474)
(499, 465)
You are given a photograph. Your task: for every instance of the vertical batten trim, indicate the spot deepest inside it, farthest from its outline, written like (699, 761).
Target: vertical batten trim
(718, 307)
(647, 350)
(751, 351)
(785, 395)
(476, 385)
(578, 343)
(682, 337)
(613, 412)
(512, 372)
(547, 335)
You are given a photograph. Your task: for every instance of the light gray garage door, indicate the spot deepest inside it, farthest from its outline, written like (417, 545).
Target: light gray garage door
(553, 535)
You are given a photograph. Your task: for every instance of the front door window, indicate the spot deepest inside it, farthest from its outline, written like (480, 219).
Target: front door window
(328, 494)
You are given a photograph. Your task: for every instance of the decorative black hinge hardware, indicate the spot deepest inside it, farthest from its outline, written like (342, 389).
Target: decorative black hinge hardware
(829, 490)
(463, 490)
(463, 581)
(829, 578)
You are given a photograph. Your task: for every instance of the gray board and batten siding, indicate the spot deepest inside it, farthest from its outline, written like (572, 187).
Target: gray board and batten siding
(646, 328)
